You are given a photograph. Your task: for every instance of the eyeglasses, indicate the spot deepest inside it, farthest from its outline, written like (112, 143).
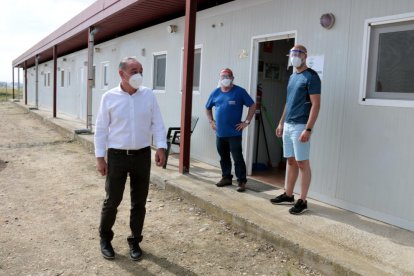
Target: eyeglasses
(225, 77)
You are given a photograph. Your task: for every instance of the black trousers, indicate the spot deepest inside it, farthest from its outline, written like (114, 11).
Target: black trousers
(138, 167)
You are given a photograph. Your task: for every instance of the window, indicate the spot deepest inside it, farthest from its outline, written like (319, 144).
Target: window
(160, 65)
(388, 62)
(197, 70)
(48, 79)
(68, 78)
(45, 80)
(62, 78)
(105, 75)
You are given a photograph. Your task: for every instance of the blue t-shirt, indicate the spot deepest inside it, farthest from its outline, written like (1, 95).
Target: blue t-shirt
(228, 109)
(298, 104)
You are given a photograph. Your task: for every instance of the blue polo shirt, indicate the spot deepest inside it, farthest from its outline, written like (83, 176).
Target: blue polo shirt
(228, 109)
(298, 104)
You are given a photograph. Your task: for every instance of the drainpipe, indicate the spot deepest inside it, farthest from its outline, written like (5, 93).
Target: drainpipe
(37, 82)
(54, 80)
(18, 80)
(91, 77)
(25, 82)
(12, 81)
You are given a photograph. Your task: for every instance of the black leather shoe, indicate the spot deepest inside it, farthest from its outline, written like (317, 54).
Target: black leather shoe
(107, 250)
(224, 181)
(242, 187)
(135, 251)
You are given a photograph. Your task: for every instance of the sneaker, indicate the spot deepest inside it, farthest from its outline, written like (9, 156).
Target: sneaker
(225, 181)
(283, 199)
(242, 187)
(299, 208)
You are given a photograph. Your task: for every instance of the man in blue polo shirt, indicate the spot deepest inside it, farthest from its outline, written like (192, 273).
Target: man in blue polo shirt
(295, 126)
(228, 100)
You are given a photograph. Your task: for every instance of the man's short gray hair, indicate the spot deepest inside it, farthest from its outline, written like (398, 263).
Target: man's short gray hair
(125, 61)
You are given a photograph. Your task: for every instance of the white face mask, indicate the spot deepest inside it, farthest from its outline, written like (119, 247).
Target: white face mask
(135, 81)
(225, 82)
(296, 61)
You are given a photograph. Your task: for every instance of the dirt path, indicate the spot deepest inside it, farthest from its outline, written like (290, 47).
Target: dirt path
(51, 196)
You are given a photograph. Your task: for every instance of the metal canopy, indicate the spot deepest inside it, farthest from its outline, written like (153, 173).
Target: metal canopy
(114, 18)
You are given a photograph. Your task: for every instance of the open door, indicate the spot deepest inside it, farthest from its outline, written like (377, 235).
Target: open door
(270, 76)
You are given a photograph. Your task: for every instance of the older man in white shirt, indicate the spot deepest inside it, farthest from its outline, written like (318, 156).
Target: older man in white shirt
(127, 119)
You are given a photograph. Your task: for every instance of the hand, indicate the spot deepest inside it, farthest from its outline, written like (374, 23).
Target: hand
(305, 136)
(279, 131)
(213, 125)
(160, 157)
(101, 166)
(241, 126)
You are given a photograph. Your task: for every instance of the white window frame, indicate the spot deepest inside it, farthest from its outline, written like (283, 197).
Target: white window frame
(153, 70)
(196, 47)
(105, 77)
(364, 99)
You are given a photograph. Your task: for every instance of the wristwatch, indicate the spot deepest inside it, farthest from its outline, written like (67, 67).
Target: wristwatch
(247, 122)
(309, 129)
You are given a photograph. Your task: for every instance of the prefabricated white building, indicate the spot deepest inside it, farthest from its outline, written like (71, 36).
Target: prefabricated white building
(362, 145)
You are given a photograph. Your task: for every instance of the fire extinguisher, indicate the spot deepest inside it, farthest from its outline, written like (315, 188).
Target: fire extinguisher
(259, 93)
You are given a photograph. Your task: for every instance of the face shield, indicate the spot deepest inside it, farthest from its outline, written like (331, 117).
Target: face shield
(296, 53)
(296, 57)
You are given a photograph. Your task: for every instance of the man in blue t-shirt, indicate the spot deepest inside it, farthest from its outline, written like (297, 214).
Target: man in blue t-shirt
(228, 101)
(296, 124)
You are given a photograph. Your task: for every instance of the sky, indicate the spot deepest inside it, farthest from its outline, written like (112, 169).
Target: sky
(23, 23)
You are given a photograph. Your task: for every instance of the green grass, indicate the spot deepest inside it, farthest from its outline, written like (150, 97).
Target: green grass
(8, 94)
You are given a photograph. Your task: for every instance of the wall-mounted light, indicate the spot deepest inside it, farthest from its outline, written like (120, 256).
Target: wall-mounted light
(64, 59)
(45, 64)
(143, 52)
(327, 20)
(97, 50)
(172, 28)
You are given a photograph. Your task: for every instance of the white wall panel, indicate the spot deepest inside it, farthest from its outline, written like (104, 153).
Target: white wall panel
(376, 165)
(361, 155)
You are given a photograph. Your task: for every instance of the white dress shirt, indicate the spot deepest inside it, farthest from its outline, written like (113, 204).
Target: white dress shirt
(127, 121)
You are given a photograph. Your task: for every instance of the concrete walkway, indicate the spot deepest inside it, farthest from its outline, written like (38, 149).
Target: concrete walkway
(332, 240)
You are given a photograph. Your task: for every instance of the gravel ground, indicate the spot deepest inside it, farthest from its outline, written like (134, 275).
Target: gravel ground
(51, 197)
